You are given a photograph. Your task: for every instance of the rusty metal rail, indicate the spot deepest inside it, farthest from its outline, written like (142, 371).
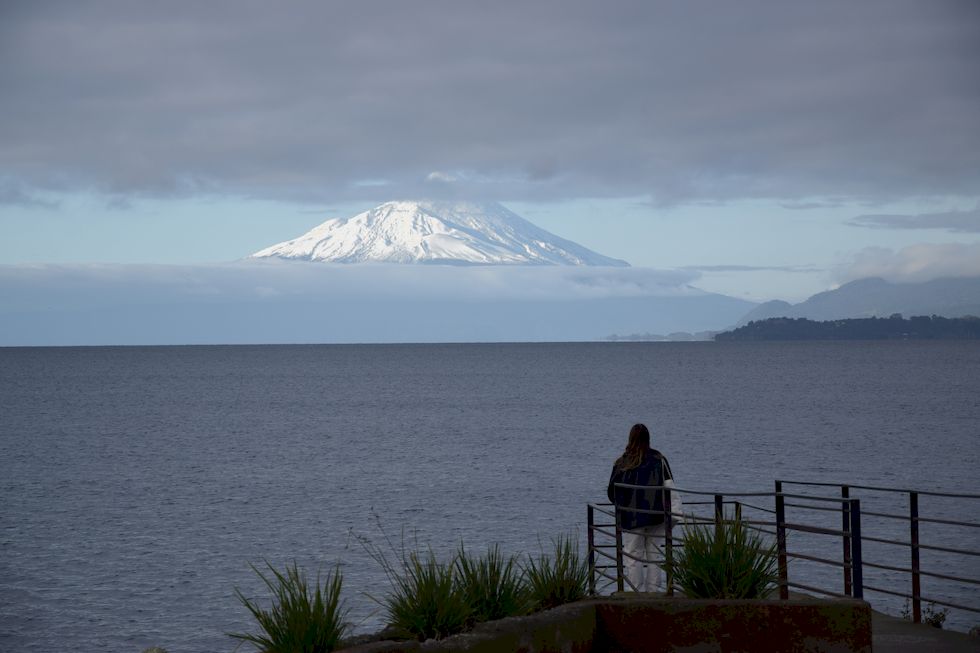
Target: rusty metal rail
(606, 561)
(915, 521)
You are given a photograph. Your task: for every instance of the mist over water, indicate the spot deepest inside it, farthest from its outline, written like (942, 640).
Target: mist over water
(138, 483)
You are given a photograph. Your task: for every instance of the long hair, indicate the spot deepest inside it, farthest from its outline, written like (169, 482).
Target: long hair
(637, 448)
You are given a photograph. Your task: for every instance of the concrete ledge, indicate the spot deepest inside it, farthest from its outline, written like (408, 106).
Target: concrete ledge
(652, 624)
(566, 629)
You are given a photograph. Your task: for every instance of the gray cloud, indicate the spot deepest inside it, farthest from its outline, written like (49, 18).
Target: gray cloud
(273, 302)
(802, 269)
(321, 281)
(955, 221)
(545, 100)
(12, 192)
(810, 205)
(915, 263)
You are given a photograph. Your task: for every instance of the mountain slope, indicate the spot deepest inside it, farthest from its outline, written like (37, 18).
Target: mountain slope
(951, 297)
(436, 232)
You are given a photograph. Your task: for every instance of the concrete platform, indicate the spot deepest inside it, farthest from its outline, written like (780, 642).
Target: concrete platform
(894, 635)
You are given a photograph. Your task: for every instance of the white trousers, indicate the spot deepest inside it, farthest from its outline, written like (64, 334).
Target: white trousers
(645, 543)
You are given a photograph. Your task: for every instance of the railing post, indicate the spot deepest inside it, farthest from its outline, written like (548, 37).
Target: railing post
(914, 539)
(668, 541)
(619, 552)
(591, 536)
(857, 575)
(719, 511)
(781, 541)
(845, 511)
(738, 511)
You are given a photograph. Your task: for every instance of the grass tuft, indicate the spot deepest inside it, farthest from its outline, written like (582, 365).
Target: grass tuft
(559, 578)
(425, 600)
(724, 561)
(301, 619)
(492, 585)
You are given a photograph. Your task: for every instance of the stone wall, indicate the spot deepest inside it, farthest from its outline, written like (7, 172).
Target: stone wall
(645, 624)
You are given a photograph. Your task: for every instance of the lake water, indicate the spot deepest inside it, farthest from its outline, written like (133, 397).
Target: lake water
(137, 484)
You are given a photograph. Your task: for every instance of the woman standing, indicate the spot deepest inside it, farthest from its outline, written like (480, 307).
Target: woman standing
(640, 465)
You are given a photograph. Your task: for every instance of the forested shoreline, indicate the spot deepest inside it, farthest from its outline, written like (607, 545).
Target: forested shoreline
(895, 327)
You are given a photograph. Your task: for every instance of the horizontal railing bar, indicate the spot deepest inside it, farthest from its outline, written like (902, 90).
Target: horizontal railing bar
(606, 555)
(754, 507)
(933, 574)
(607, 576)
(881, 540)
(815, 529)
(801, 505)
(946, 549)
(952, 495)
(604, 532)
(730, 495)
(930, 520)
(951, 522)
(930, 547)
(810, 497)
(656, 561)
(816, 589)
(949, 604)
(763, 530)
(884, 591)
(904, 570)
(922, 598)
(697, 519)
(885, 514)
(832, 563)
(645, 511)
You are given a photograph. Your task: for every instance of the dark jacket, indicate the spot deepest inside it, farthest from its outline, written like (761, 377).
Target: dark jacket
(652, 471)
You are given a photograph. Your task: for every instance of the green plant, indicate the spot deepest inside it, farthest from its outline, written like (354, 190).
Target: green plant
(559, 578)
(723, 561)
(301, 619)
(425, 601)
(492, 585)
(930, 615)
(933, 617)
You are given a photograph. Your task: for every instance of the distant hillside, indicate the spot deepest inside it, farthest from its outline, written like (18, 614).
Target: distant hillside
(880, 298)
(872, 328)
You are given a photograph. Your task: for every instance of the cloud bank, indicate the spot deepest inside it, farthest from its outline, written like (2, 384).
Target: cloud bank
(277, 302)
(921, 262)
(506, 100)
(967, 222)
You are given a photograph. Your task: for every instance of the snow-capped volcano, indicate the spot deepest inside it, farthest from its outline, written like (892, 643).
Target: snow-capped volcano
(436, 232)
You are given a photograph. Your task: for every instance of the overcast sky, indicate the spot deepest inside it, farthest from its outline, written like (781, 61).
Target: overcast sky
(770, 150)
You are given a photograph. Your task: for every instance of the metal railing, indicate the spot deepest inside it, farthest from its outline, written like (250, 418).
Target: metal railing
(790, 512)
(914, 521)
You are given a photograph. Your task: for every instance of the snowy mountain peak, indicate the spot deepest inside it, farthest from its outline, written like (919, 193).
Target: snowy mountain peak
(462, 233)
